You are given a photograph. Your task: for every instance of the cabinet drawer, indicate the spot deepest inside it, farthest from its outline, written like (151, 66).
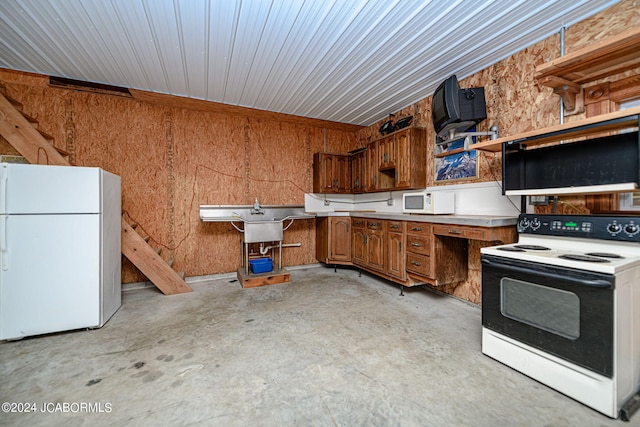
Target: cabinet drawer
(375, 224)
(462, 232)
(419, 228)
(419, 264)
(395, 226)
(418, 244)
(358, 222)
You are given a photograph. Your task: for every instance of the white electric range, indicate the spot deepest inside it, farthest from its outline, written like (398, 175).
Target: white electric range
(562, 306)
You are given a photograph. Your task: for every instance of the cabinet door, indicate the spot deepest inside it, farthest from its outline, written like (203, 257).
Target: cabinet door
(358, 172)
(396, 255)
(358, 237)
(386, 153)
(340, 239)
(323, 173)
(331, 173)
(328, 181)
(375, 249)
(372, 167)
(342, 174)
(403, 160)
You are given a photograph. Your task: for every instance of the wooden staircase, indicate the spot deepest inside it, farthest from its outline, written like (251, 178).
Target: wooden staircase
(21, 131)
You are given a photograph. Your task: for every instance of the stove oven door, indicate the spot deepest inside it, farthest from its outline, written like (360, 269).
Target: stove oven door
(562, 311)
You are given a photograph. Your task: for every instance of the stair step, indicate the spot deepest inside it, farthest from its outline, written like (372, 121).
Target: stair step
(182, 274)
(64, 153)
(31, 120)
(169, 262)
(146, 238)
(157, 250)
(46, 136)
(16, 104)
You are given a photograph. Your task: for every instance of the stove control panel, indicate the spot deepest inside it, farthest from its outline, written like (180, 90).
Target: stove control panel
(621, 228)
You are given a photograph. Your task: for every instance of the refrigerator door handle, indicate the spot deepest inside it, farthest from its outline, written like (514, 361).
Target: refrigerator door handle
(4, 248)
(3, 199)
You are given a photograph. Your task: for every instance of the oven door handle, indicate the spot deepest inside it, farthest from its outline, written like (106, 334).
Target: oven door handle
(596, 283)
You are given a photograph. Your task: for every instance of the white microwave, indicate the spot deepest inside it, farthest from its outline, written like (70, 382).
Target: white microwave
(428, 202)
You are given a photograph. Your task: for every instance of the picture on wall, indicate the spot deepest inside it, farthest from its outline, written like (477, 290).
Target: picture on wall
(460, 165)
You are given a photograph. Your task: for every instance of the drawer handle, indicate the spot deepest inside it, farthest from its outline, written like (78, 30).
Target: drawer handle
(416, 244)
(416, 263)
(416, 228)
(394, 226)
(455, 231)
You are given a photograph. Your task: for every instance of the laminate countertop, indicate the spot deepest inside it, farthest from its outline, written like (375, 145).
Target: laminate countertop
(472, 220)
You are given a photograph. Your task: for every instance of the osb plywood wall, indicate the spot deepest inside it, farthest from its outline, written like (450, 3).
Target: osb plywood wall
(516, 103)
(172, 160)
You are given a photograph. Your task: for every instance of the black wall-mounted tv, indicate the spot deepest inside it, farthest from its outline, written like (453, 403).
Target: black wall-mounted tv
(457, 109)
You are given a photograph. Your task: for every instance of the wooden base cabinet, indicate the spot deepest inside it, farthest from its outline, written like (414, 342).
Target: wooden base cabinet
(395, 250)
(374, 244)
(367, 243)
(419, 241)
(432, 259)
(358, 236)
(333, 240)
(407, 252)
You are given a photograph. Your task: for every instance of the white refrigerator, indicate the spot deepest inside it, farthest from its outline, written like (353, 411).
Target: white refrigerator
(60, 255)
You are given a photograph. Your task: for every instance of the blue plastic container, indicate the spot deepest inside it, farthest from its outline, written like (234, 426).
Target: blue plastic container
(261, 265)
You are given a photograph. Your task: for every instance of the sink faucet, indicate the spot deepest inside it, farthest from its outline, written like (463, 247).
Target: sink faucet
(256, 208)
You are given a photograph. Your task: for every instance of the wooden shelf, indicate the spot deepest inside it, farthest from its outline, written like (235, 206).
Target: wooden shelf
(568, 74)
(610, 122)
(611, 56)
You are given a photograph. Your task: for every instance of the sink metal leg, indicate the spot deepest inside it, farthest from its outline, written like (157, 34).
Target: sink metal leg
(246, 253)
(280, 255)
(242, 253)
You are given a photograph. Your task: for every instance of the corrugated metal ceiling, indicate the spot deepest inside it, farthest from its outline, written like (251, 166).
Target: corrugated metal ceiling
(351, 61)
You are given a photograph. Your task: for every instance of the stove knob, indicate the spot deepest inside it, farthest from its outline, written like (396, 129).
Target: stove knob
(631, 229)
(535, 224)
(614, 228)
(523, 224)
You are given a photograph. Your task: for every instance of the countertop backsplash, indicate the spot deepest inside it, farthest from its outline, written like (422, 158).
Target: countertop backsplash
(484, 198)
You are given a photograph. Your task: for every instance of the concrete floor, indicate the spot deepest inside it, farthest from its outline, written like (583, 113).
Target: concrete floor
(325, 349)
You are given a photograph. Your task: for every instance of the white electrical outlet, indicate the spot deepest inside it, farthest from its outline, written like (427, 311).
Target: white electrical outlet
(390, 202)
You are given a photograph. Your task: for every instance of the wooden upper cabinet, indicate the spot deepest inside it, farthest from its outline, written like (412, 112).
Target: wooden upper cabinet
(394, 162)
(359, 172)
(386, 153)
(411, 152)
(331, 173)
(373, 171)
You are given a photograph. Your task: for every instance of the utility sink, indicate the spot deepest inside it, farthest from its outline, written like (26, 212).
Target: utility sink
(260, 223)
